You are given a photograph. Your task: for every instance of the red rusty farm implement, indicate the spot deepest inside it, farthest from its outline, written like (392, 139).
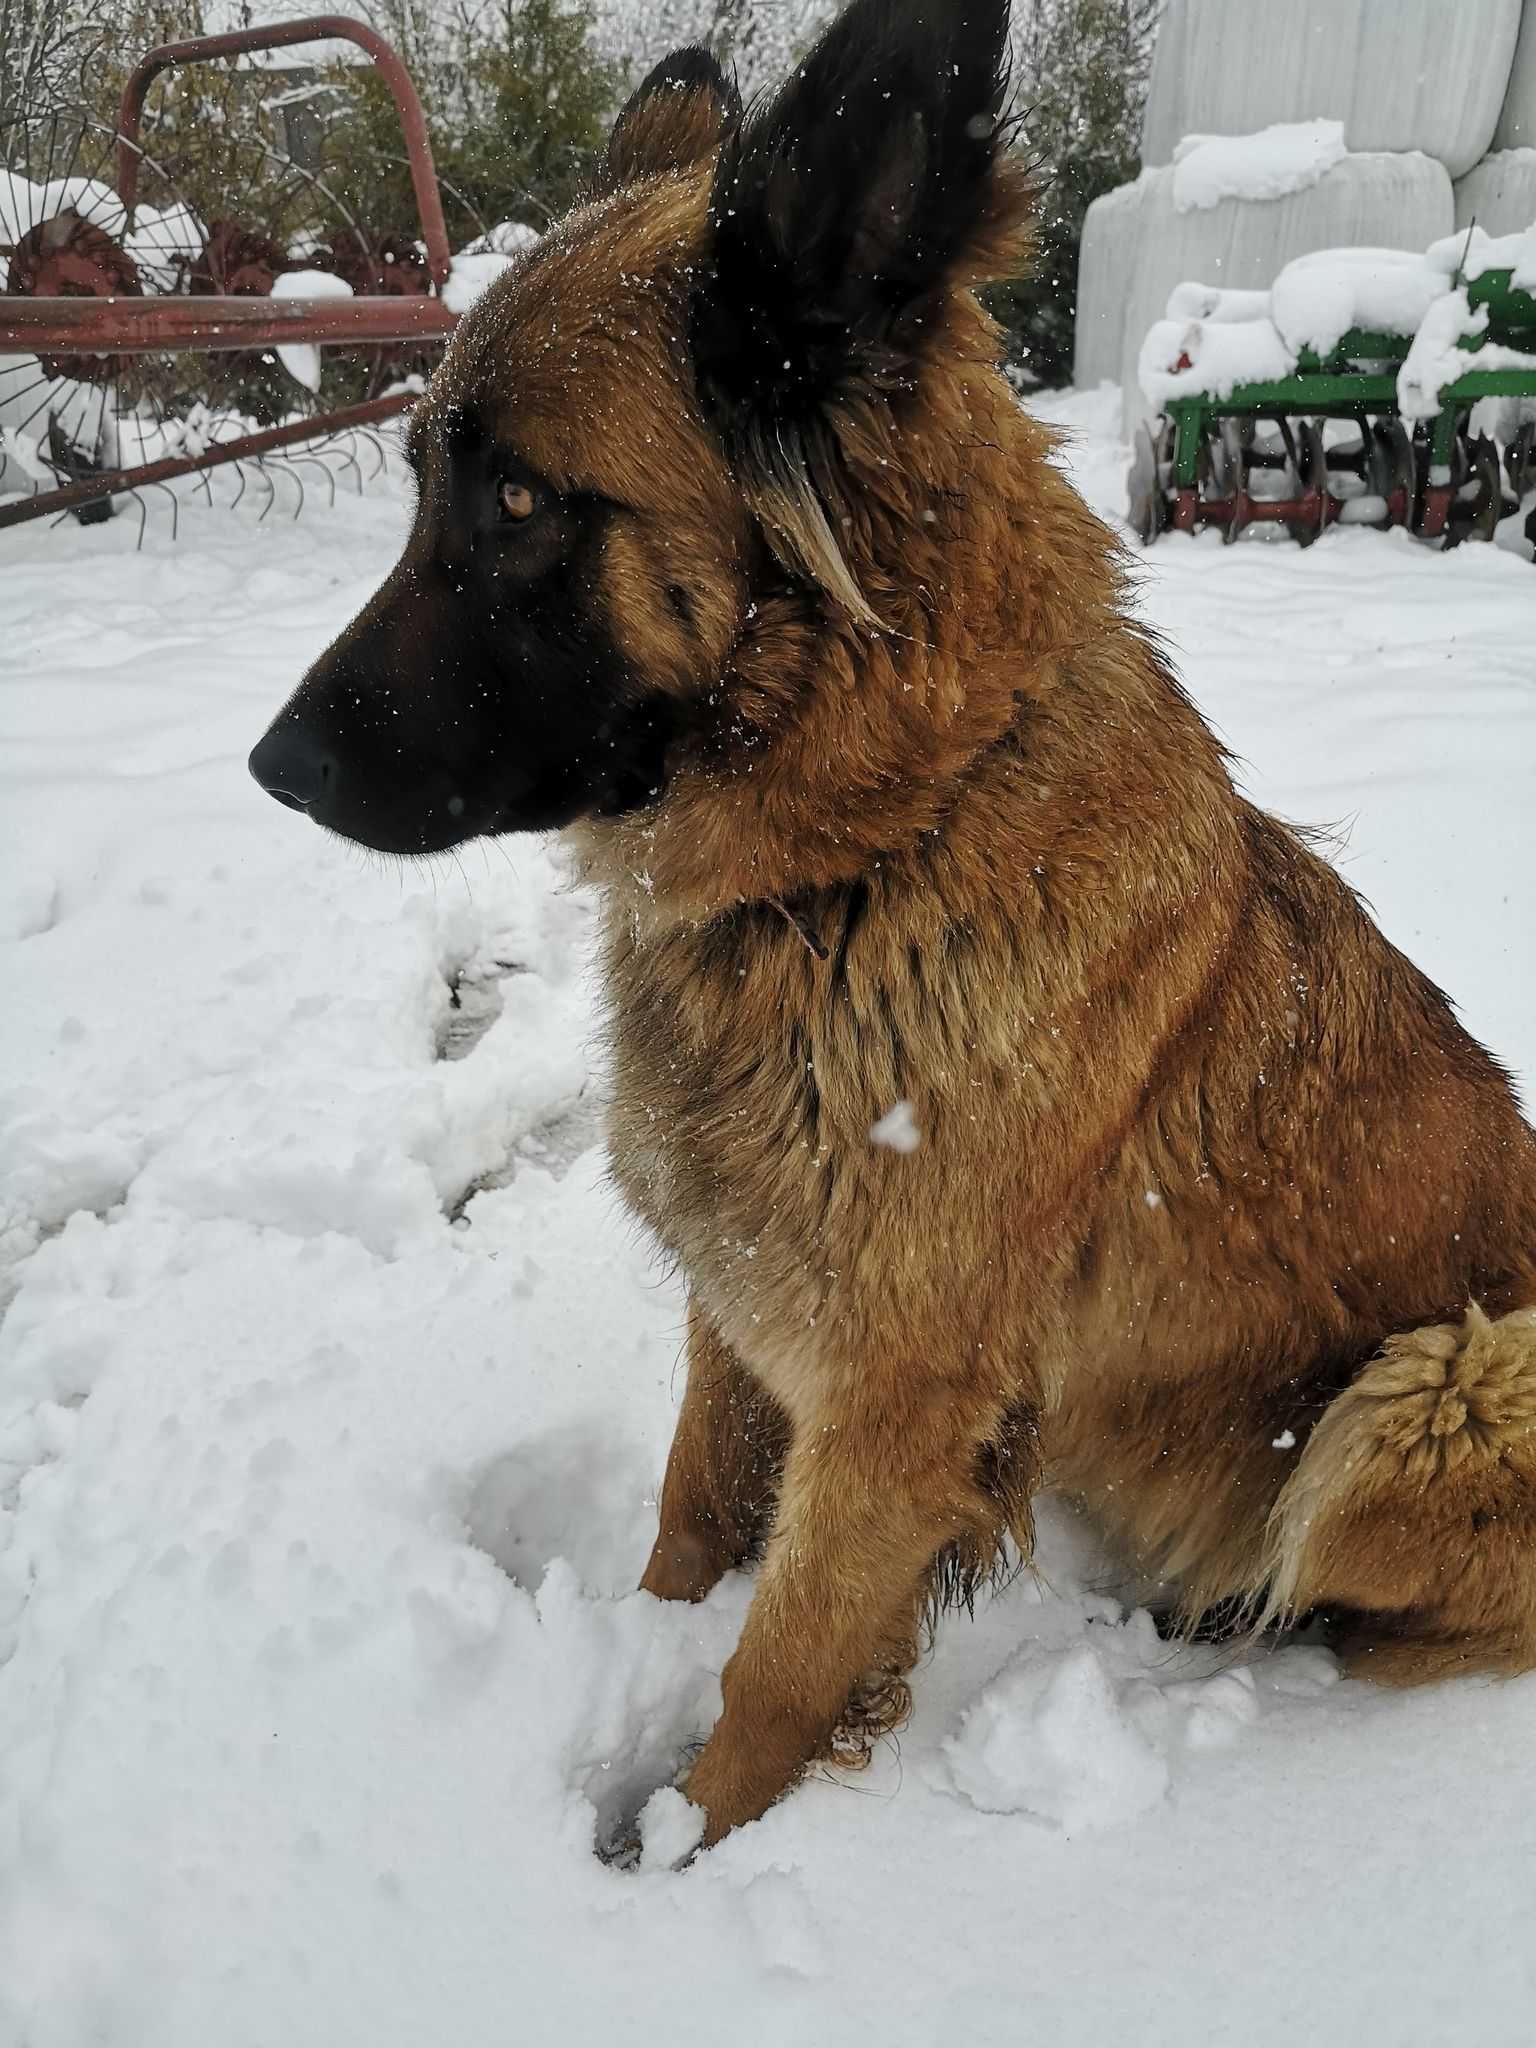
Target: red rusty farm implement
(130, 333)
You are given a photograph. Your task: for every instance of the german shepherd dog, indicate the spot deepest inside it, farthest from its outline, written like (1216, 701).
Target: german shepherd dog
(736, 561)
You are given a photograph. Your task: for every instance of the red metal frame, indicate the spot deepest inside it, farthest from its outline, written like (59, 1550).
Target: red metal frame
(128, 326)
(314, 28)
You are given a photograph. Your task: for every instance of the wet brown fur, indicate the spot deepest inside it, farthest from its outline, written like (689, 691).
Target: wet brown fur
(1209, 1174)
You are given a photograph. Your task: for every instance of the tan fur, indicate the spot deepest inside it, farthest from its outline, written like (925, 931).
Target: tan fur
(1208, 1173)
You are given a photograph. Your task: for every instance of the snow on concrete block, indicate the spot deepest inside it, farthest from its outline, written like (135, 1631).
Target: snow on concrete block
(1286, 158)
(1399, 74)
(1137, 247)
(1517, 120)
(1499, 193)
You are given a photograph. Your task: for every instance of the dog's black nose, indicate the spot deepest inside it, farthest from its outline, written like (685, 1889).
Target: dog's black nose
(293, 766)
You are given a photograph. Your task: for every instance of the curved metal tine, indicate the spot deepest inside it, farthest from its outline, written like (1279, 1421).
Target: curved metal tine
(74, 154)
(343, 446)
(378, 448)
(175, 512)
(143, 511)
(49, 383)
(39, 383)
(239, 469)
(315, 462)
(271, 488)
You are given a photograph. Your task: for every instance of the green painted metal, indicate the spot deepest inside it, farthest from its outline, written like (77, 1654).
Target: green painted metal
(1357, 381)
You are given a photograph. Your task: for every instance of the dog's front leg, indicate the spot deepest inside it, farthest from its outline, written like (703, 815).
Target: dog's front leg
(722, 1471)
(870, 1496)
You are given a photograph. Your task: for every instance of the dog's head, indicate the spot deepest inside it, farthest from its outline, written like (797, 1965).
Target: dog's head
(638, 448)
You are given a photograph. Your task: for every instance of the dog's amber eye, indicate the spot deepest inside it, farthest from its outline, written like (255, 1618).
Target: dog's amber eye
(516, 500)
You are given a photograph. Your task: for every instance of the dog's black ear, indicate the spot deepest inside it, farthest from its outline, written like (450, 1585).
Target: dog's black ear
(869, 182)
(673, 118)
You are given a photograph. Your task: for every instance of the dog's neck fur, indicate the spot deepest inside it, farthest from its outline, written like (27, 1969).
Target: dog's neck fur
(968, 544)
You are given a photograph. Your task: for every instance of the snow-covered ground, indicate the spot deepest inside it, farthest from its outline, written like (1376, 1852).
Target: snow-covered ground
(334, 1394)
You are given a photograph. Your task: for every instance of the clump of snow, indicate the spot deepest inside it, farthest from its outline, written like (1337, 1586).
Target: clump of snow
(310, 284)
(1216, 302)
(164, 245)
(1052, 1737)
(23, 204)
(1470, 253)
(470, 275)
(1436, 357)
(1183, 358)
(1093, 1734)
(670, 1829)
(897, 1130)
(1288, 157)
(507, 238)
(301, 359)
(1318, 298)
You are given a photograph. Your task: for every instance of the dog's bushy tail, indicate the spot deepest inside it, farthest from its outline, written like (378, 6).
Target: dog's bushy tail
(1413, 1507)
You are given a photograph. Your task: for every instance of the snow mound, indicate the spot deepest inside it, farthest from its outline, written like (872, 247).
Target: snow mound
(1183, 358)
(1288, 157)
(1091, 1735)
(1318, 298)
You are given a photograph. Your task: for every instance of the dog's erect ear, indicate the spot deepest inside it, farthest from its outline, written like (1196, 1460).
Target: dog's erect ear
(870, 181)
(673, 118)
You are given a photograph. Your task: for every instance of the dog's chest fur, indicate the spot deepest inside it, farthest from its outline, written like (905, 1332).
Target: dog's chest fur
(749, 1076)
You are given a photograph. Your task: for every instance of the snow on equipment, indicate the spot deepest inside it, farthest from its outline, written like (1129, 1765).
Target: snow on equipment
(130, 331)
(1369, 386)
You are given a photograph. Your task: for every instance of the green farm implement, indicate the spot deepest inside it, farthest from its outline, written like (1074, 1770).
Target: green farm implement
(1356, 433)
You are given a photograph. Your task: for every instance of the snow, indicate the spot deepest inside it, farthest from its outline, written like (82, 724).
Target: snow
(1470, 254)
(1187, 358)
(1098, 1729)
(301, 359)
(470, 275)
(1316, 299)
(897, 1130)
(1437, 359)
(1288, 157)
(335, 1391)
(507, 238)
(1213, 340)
(164, 245)
(1215, 302)
(23, 204)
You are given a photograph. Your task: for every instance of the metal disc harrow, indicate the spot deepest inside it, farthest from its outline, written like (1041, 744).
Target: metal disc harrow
(1328, 444)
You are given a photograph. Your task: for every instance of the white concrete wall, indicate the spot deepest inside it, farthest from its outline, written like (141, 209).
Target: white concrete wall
(1400, 74)
(1517, 122)
(1499, 193)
